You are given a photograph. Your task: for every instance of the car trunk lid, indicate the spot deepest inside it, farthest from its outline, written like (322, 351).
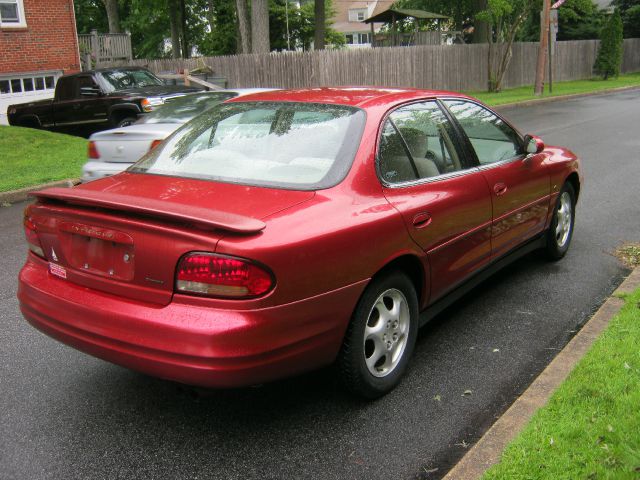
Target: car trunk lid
(129, 144)
(127, 242)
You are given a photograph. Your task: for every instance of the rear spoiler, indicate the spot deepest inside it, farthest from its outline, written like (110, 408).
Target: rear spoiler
(153, 207)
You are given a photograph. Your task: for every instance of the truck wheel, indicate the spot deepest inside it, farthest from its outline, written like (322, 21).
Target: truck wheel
(125, 122)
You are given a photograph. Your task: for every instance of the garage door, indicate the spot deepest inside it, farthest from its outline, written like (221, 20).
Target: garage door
(22, 88)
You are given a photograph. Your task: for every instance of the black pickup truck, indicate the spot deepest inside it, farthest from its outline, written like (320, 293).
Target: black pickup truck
(97, 99)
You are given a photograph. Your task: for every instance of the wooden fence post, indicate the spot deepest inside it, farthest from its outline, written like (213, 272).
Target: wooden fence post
(95, 48)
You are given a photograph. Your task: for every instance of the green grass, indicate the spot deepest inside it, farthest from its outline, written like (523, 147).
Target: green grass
(30, 157)
(521, 94)
(590, 429)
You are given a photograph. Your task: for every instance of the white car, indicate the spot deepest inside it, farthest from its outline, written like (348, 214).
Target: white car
(115, 150)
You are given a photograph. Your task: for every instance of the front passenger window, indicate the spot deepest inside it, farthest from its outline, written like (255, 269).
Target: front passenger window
(417, 143)
(491, 138)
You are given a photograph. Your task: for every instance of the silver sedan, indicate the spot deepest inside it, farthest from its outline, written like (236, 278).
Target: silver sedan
(113, 151)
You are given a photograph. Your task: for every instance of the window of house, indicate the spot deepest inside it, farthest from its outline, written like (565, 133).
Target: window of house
(349, 39)
(12, 14)
(357, 15)
(363, 38)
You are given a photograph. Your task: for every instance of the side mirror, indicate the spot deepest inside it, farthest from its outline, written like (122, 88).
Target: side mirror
(90, 91)
(533, 144)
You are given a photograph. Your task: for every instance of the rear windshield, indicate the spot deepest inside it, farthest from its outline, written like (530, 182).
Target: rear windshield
(124, 79)
(303, 146)
(183, 109)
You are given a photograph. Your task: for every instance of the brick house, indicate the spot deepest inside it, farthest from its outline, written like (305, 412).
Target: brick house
(350, 15)
(39, 43)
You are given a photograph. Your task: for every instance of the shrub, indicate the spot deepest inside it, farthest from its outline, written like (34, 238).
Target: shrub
(609, 56)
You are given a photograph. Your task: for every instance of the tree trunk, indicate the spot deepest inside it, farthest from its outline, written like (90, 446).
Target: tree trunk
(174, 22)
(506, 59)
(211, 17)
(318, 39)
(260, 26)
(244, 38)
(480, 29)
(186, 49)
(113, 17)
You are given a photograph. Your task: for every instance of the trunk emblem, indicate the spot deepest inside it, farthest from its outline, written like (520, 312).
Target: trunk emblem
(54, 257)
(120, 148)
(126, 258)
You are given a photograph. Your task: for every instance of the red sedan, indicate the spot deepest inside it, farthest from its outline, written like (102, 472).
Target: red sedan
(290, 230)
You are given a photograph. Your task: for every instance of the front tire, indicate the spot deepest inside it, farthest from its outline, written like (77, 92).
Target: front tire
(125, 122)
(380, 338)
(561, 229)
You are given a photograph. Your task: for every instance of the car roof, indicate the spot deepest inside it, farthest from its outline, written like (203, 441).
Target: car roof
(353, 96)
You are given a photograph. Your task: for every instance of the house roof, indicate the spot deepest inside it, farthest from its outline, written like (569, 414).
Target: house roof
(390, 14)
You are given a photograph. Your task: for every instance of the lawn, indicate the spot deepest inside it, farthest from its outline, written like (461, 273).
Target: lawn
(30, 157)
(521, 94)
(590, 428)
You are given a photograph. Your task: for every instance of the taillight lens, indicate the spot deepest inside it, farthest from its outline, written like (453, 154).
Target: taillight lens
(93, 150)
(154, 144)
(214, 275)
(31, 233)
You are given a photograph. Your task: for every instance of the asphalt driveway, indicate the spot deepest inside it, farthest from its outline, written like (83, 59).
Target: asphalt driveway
(66, 415)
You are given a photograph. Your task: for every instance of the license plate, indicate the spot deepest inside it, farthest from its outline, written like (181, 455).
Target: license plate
(57, 270)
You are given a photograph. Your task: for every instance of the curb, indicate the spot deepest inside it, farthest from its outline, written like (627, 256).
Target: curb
(544, 100)
(488, 450)
(13, 196)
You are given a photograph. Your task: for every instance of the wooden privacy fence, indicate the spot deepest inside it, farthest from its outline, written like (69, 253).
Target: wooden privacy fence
(451, 67)
(103, 49)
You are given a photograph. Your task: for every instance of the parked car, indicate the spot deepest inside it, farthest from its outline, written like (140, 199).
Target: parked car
(102, 98)
(289, 230)
(113, 151)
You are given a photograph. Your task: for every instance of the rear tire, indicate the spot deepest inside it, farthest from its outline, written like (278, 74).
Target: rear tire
(380, 338)
(561, 229)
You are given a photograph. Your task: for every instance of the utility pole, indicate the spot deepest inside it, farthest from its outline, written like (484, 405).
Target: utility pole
(542, 50)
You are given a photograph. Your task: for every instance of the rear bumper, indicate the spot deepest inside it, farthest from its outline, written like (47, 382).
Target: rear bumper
(190, 344)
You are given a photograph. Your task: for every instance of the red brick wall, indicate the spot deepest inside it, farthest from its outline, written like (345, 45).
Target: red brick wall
(48, 42)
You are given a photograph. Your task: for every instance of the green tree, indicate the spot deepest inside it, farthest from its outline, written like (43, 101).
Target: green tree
(630, 13)
(609, 56)
(505, 18)
(577, 20)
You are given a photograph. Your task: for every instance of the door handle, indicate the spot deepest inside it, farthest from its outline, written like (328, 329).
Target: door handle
(421, 220)
(500, 189)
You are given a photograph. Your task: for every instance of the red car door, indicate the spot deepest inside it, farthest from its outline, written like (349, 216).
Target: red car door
(444, 201)
(519, 184)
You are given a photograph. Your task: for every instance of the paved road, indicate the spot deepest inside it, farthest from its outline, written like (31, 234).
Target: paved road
(66, 415)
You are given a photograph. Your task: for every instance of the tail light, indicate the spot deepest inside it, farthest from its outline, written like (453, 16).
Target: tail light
(31, 233)
(154, 144)
(214, 275)
(93, 150)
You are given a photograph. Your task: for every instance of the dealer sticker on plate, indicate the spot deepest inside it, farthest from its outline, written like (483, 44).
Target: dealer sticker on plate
(57, 270)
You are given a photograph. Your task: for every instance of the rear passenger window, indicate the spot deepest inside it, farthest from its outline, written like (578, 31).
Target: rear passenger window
(417, 142)
(491, 138)
(64, 89)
